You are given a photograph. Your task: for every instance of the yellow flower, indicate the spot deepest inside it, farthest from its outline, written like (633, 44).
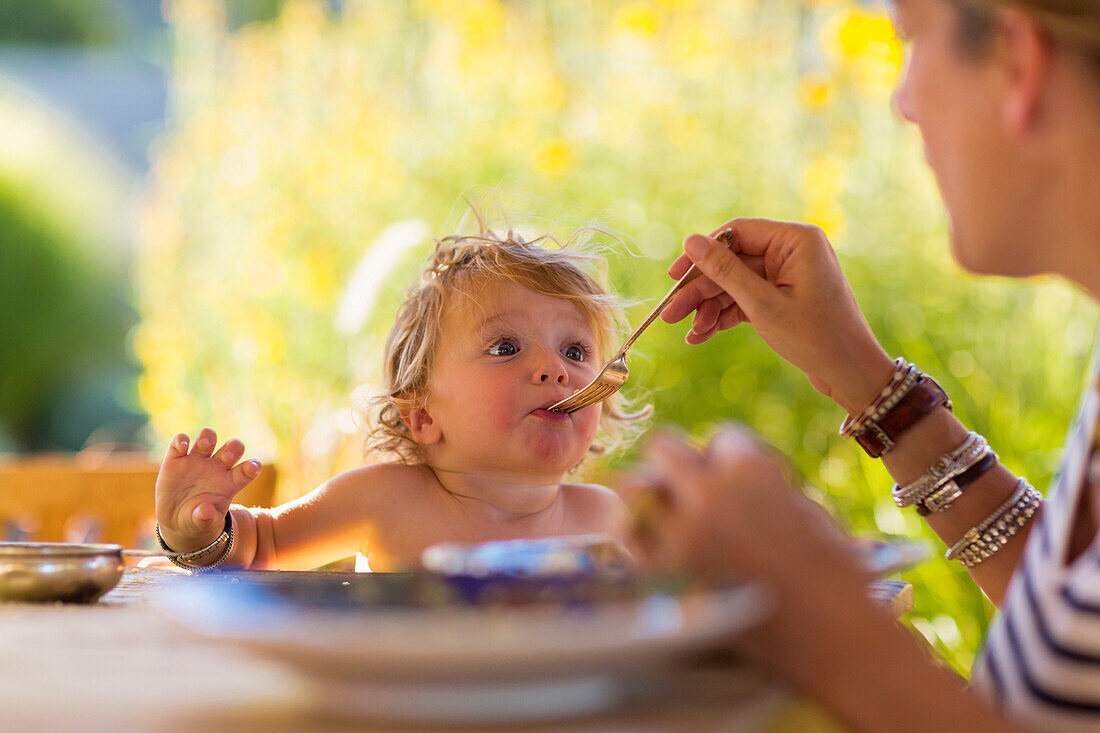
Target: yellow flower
(866, 34)
(829, 217)
(822, 182)
(816, 91)
(823, 177)
(638, 18)
(866, 44)
(554, 157)
(320, 279)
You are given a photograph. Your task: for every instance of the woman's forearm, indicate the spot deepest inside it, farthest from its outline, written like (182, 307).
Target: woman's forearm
(920, 447)
(853, 658)
(917, 449)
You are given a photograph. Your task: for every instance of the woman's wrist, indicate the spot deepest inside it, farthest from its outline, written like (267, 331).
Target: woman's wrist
(861, 381)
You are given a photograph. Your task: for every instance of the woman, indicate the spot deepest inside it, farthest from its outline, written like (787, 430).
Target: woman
(1006, 94)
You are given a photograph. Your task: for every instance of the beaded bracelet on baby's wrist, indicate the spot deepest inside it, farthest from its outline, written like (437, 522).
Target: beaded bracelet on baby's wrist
(185, 560)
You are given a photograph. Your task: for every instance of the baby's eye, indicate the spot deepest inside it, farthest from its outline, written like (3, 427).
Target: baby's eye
(504, 347)
(575, 352)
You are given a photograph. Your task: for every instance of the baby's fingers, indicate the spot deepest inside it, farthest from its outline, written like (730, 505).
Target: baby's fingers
(230, 453)
(205, 442)
(179, 445)
(244, 473)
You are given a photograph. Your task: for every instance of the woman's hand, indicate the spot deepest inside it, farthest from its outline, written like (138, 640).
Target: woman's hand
(194, 489)
(732, 511)
(786, 281)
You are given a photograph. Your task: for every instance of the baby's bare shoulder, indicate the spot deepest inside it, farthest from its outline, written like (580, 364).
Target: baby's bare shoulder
(598, 503)
(589, 492)
(378, 486)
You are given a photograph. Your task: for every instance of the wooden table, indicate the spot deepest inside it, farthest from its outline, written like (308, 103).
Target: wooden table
(118, 665)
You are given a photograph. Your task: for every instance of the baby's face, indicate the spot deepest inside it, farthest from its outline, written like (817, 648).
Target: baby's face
(504, 356)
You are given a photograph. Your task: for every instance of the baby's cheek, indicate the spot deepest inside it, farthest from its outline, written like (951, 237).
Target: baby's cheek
(500, 413)
(588, 421)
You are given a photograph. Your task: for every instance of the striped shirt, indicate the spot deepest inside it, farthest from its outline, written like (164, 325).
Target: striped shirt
(1040, 660)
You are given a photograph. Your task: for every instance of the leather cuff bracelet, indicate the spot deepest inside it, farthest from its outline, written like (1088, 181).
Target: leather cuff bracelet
(952, 488)
(879, 435)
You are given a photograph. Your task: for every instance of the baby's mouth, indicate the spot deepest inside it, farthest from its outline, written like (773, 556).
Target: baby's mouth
(545, 414)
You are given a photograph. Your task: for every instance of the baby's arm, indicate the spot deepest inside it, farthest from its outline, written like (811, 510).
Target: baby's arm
(327, 524)
(193, 494)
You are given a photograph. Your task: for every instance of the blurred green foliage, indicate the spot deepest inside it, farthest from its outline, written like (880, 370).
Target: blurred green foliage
(296, 145)
(64, 288)
(64, 332)
(59, 22)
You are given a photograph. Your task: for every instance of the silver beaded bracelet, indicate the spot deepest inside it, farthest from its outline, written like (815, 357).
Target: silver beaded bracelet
(984, 540)
(185, 559)
(972, 450)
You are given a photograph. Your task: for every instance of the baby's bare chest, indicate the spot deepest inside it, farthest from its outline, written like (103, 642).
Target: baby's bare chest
(397, 544)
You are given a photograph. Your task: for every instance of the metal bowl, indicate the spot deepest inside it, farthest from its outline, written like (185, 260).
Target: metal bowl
(58, 571)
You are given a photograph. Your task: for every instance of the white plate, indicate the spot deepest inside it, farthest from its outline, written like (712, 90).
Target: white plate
(467, 665)
(472, 644)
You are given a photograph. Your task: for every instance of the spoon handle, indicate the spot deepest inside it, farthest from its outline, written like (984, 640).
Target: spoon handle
(726, 236)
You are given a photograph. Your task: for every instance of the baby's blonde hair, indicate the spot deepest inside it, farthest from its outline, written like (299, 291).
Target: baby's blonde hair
(458, 266)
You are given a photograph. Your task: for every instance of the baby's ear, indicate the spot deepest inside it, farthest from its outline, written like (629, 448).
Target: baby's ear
(423, 428)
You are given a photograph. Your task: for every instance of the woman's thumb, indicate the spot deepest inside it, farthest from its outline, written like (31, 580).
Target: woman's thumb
(725, 269)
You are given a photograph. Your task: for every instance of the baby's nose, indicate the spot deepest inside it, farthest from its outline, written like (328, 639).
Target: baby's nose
(560, 377)
(551, 370)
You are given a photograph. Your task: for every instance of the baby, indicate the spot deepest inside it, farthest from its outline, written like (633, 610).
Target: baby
(497, 331)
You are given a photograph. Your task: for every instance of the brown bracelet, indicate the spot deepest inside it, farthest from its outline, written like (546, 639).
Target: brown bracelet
(879, 436)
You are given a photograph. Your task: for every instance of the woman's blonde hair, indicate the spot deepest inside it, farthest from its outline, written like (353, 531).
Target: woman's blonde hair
(461, 264)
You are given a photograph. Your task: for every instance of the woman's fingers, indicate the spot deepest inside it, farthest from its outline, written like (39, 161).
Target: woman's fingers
(727, 318)
(677, 269)
(679, 466)
(730, 317)
(702, 289)
(706, 315)
(726, 270)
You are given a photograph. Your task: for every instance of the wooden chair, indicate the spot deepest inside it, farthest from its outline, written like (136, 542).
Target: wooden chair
(91, 497)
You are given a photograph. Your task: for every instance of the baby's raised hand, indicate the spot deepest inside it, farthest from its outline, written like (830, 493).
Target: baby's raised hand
(194, 489)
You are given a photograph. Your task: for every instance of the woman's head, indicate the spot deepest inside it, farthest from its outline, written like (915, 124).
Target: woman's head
(1074, 23)
(496, 319)
(1006, 94)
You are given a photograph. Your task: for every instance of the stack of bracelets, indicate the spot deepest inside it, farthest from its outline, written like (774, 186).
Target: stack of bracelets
(907, 397)
(186, 560)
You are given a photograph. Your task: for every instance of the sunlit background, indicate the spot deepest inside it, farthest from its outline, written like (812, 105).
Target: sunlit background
(209, 212)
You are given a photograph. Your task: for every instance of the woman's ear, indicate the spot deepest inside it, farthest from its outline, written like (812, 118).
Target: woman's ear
(1027, 58)
(424, 429)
